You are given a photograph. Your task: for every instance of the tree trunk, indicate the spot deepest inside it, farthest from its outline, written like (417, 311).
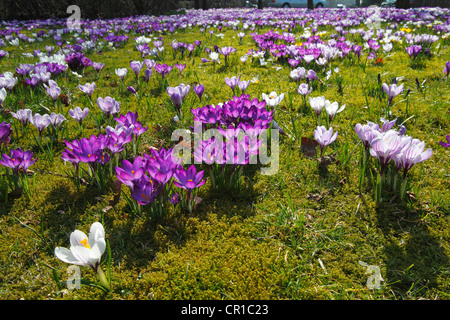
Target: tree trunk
(310, 4)
(403, 4)
(260, 4)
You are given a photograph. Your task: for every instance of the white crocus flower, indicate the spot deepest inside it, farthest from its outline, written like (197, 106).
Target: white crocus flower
(2, 95)
(317, 104)
(121, 72)
(272, 99)
(84, 251)
(333, 109)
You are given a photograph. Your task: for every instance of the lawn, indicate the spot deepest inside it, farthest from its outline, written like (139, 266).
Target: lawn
(303, 212)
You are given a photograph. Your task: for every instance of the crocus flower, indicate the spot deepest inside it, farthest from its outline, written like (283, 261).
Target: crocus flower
(40, 121)
(392, 91)
(243, 85)
(413, 51)
(332, 109)
(108, 105)
(136, 66)
(232, 82)
(304, 89)
(78, 114)
(2, 95)
(385, 146)
(53, 90)
(188, 179)
(199, 89)
(180, 67)
(19, 160)
(414, 154)
(145, 191)
(121, 73)
(5, 133)
(88, 88)
(445, 144)
(177, 94)
(272, 99)
(317, 104)
(226, 51)
(163, 69)
(324, 137)
(98, 66)
(23, 115)
(86, 251)
(446, 70)
(130, 173)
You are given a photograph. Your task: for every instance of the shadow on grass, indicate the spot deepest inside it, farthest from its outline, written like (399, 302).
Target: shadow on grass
(415, 257)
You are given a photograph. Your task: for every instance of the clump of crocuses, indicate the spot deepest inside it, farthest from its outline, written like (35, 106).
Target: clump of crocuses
(16, 165)
(395, 152)
(153, 180)
(235, 132)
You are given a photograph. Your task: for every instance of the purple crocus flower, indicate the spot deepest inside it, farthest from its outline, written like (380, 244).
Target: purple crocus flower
(19, 160)
(56, 119)
(130, 173)
(188, 179)
(145, 191)
(161, 166)
(324, 137)
(243, 85)
(98, 66)
(413, 51)
(232, 82)
(108, 105)
(446, 70)
(177, 94)
(78, 114)
(33, 81)
(208, 114)
(5, 133)
(226, 51)
(180, 67)
(136, 66)
(117, 141)
(163, 69)
(148, 72)
(385, 146)
(199, 89)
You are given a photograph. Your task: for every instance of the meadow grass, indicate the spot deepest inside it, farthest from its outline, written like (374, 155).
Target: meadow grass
(307, 232)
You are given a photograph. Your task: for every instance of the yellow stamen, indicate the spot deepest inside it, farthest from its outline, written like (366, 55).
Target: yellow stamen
(85, 243)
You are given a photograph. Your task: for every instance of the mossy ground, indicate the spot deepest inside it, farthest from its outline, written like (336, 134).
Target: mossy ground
(299, 234)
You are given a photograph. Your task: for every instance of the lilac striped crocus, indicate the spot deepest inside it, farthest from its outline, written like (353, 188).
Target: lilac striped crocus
(392, 90)
(324, 137)
(53, 90)
(108, 105)
(232, 82)
(79, 114)
(23, 115)
(87, 88)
